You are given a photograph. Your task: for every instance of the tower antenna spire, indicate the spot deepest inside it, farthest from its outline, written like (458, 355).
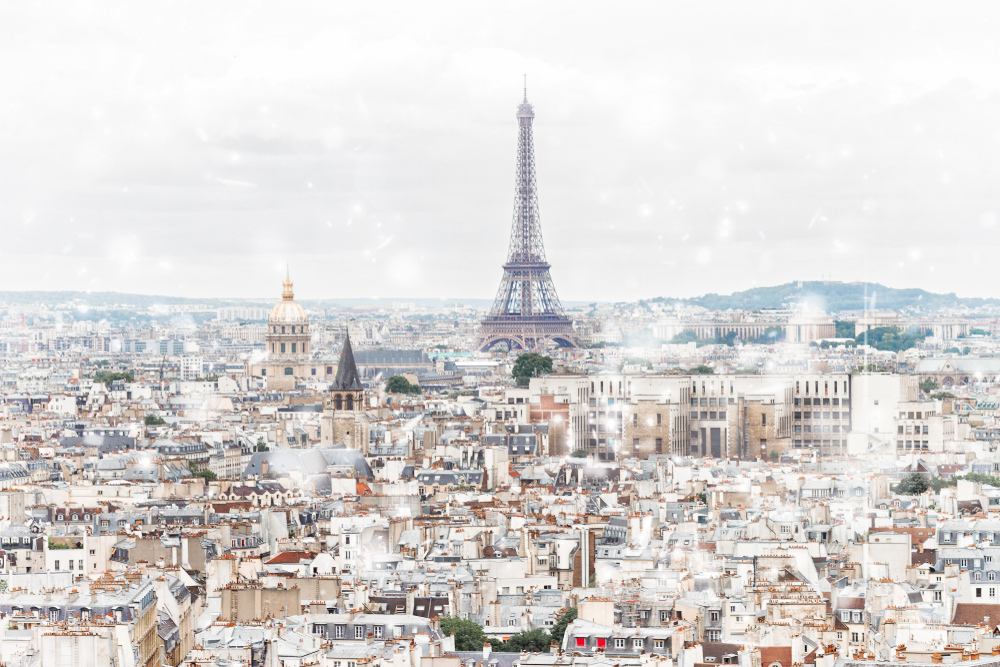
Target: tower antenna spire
(525, 87)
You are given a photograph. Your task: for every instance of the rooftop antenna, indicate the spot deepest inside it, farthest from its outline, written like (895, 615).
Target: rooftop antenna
(525, 87)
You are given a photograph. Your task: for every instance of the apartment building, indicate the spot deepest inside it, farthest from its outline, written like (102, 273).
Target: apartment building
(616, 416)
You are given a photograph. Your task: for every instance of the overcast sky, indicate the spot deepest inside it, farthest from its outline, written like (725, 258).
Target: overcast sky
(191, 149)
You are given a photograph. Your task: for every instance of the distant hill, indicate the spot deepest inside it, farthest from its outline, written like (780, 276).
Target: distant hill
(107, 299)
(833, 297)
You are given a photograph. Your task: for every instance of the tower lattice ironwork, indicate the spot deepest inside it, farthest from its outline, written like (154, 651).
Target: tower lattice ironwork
(526, 313)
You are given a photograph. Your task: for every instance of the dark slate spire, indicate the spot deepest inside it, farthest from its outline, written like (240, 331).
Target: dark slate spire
(347, 371)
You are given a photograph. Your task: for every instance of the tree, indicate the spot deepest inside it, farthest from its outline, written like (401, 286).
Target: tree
(701, 369)
(966, 350)
(559, 629)
(398, 384)
(530, 365)
(952, 350)
(845, 329)
(261, 447)
(532, 640)
(153, 420)
(928, 385)
(468, 635)
(912, 485)
(686, 336)
(889, 339)
(104, 377)
(207, 475)
(579, 454)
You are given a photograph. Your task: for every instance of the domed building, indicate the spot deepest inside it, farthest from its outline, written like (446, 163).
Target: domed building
(289, 346)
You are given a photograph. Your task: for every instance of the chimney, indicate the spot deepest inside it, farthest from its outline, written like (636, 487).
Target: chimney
(554, 648)
(410, 596)
(487, 649)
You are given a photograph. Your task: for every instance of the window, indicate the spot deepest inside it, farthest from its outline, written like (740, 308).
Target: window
(92, 552)
(377, 631)
(854, 635)
(359, 632)
(763, 420)
(57, 565)
(581, 641)
(637, 643)
(713, 616)
(619, 643)
(339, 631)
(511, 622)
(282, 346)
(664, 616)
(979, 592)
(657, 643)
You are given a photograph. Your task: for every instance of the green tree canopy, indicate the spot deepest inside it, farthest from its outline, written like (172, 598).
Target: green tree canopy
(889, 339)
(207, 475)
(928, 385)
(106, 377)
(532, 640)
(701, 369)
(153, 420)
(686, 336)
(559, 629)
(468, 635)
(579, 454)
(530, 365)
(398, 384)
(845, 329)
(912, 485)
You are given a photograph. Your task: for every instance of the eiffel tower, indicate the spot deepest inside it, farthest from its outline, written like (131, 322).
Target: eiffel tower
(526, 313)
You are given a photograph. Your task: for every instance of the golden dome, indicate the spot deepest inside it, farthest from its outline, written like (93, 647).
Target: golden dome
(288, 311)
